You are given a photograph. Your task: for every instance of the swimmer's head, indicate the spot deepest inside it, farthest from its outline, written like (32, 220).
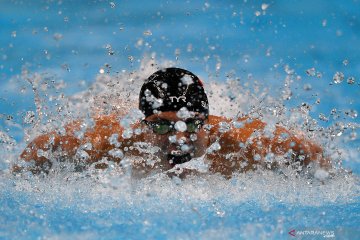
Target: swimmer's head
(172, 89)
(175, 106)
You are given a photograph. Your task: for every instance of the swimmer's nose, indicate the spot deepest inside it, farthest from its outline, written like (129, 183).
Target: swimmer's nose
(182, 137)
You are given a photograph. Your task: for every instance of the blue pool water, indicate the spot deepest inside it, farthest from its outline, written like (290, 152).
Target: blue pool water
(289, 54)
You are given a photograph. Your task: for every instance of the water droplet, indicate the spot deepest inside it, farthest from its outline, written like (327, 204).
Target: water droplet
(185, 148)
(214, 147)
(147, 33)
(42, 153)
(82, 155)
(257, 157)
(339, 33)
(156, 102)
(113, 140)
(311, 72)
(321, 174)
(109, 49)
(345, 62)
(338, 77)
(218, 66)
(224, 127)
(112, 4)
(264, 6)
(184, 113)
(220, 213)
(177, 52)
(181, 141)
(351, 80)
(186, 79)
(180, 126)
(189, 48)
(29, 117)
(353, 136)
(66, 67)
(307, 87)
(268, 52)
(288, 70)
(137, 131)
(238, 124)
(305, 107)
(351, 113)
(324, 23)
(208, 127)
(127, 133)
(86, 146)
(270, 158)
(172, 139)
(246, 58)
(57, 36)
(116, 153)
(135, 115)
(193, 137)
(319, 75)
(322, 117)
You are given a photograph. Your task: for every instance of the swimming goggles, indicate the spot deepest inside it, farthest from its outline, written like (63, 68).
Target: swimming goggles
(165, 126)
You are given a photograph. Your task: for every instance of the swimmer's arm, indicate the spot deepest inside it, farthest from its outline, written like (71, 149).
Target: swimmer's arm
(304, 149)
(44, 144)
(97, 137)
(49, 142)
(281, 143)
(253, 137)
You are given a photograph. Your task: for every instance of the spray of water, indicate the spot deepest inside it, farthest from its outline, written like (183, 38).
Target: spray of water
(115, 188)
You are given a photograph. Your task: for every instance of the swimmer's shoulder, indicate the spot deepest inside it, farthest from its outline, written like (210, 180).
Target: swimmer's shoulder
(111, 118)
(246, 127)
(112, 121)
(247, 121)
(106, 121)
(214, 120)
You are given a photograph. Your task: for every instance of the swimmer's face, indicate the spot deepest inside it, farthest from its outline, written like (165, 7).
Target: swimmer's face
(180, 139)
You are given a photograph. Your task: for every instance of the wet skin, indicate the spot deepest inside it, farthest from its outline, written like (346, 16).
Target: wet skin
(241, 149)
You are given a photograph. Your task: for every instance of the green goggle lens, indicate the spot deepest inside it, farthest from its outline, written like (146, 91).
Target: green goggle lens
(163, 127)
(193, 126)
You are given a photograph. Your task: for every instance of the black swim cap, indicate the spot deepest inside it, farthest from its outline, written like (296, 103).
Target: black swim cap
(171, 89)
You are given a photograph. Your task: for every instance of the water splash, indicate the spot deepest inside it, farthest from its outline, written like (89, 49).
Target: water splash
(233, 99)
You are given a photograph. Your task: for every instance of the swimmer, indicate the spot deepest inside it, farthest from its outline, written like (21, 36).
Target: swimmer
(176, 125)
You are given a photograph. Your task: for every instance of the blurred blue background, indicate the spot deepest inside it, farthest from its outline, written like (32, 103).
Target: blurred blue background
(73, 40)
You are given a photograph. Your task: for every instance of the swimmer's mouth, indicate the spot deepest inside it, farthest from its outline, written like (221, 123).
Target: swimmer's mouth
(178, 157)
(176, 152)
